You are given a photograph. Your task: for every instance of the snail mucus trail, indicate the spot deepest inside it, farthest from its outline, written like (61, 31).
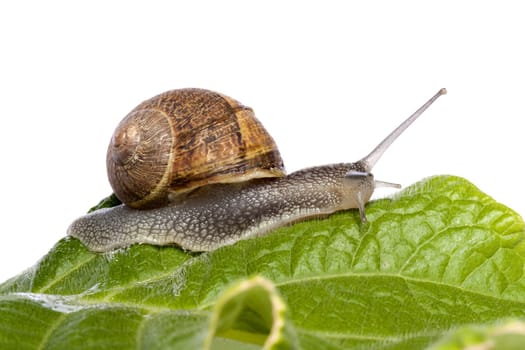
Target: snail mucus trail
(216, 215)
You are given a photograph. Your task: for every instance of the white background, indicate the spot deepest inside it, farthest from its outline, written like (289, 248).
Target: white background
(328, 79)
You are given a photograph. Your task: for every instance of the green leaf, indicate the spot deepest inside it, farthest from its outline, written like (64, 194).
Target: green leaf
(507, 336)
(108, 202)
(434, 262)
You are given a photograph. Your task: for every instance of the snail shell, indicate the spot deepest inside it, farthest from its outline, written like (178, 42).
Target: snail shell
(184, 139)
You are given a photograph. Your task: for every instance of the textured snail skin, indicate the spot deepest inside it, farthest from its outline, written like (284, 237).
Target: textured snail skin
(219, 215)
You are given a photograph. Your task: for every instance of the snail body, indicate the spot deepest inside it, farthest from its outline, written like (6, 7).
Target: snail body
(218, 213)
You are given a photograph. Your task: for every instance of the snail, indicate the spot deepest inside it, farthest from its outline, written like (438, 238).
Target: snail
(195, 168)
